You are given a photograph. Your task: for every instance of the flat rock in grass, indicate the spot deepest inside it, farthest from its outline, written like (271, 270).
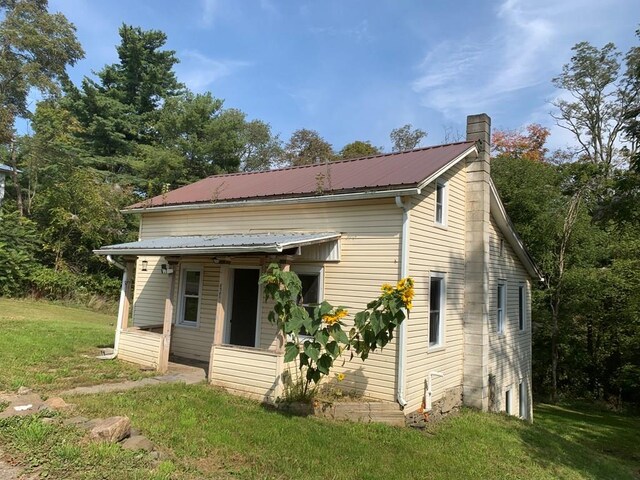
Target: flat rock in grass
(24, 391)
(23, 405)
(56, 403)
(138, 442)
(112, 429)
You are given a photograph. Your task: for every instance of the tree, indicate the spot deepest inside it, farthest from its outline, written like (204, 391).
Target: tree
(602, 98)
(307, 147)
(261, 149)
(515, 143)
(35, 49)
(406, 138)
(359, 149)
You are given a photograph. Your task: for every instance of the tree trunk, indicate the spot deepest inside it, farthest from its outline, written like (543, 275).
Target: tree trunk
(555, 307)
(14, 177)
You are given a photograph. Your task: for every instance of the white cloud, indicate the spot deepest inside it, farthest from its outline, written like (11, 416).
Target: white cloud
(359, 32)
(198, 71)
(473, 75)
(210, 9)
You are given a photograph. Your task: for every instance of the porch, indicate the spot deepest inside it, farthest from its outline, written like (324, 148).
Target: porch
(213, 309)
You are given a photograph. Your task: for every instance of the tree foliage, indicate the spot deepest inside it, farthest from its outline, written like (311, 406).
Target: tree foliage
(359, 149)
(307, 147)
(406, 137)
(515, 143)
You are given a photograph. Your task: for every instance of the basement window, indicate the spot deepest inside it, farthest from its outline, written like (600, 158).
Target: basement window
(522, 400)
(441, 203)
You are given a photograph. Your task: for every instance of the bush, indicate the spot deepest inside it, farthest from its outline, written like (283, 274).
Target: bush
(18, 245)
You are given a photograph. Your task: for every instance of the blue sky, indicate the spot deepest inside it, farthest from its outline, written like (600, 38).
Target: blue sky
(355, 69)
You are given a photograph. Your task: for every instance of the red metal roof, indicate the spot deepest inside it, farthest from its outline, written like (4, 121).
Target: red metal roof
(387, 171)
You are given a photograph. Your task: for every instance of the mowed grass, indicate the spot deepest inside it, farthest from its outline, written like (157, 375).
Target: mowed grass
(208, 433)
(204, 432)
(50, 347)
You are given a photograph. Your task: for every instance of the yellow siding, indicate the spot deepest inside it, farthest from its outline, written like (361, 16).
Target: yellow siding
(138, 346)
(194, 342)
(509, 352)
(436, 249)
(250, 372)
(149, 293)
(370, 247)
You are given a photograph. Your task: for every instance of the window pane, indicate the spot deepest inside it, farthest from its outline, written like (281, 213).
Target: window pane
(435, 294)
(190, 309)
(310, 287)
(434, 328)
(521, 308)
(192, 282)
(500, 295)
(507, 402)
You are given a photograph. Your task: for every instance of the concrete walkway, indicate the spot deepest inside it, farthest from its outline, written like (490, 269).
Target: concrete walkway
(178, 373)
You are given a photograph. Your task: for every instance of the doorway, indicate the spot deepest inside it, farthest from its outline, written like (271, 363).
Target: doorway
(245, 301)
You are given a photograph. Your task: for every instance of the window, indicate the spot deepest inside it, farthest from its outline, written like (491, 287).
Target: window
(521, 306)
(190, 294)
(522, 397)
(500, 313)
(441, 202)
(437, 296)
(501, 247)
(311, 294)
(507, 402)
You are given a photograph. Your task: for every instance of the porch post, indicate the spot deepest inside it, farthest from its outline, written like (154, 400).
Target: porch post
(126, 300)
(165, 346)
(218, 329)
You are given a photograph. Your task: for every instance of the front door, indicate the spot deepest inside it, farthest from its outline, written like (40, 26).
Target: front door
(244, 307)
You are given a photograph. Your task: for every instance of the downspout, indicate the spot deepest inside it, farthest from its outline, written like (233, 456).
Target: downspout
(402, 330)
(123, 293)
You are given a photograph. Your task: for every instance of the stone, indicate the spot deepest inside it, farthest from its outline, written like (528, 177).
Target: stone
(24, 391)
(56, 403)
(134, 432)
(452, 399)
(138, 442)
(112, 429)
(49, 420)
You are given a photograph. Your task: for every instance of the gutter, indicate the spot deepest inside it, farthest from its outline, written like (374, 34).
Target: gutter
(123, 293)
(279, 201)
(402, 330)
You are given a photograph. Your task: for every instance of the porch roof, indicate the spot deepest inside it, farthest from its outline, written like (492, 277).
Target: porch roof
(226, 244)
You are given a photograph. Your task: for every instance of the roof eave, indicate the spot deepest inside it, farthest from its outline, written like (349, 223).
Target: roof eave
(363, 195)
(507, 228)
(434, 176)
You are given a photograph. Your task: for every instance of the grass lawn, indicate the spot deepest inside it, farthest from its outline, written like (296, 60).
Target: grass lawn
(204, 432)
(51, 347)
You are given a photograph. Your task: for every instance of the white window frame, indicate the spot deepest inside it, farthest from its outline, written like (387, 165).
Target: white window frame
(180, 321)
(440, 276)
(501, 308)
(229, 309)
(523, 400)
(443, 184)
(508, 398)
(306, 269)
(522, 307)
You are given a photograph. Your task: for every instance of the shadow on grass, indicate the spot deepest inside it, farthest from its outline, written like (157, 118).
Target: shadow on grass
(595, 444)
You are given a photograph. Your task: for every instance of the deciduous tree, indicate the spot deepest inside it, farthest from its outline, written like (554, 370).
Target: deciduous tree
(406, 138)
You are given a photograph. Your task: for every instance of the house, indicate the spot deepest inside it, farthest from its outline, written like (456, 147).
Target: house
(346, 228)
(4, 171)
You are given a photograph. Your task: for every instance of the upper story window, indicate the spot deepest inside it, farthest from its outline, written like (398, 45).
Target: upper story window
(190, 295)
(437, 297)
(441, 202)
(501, 307)
(522, 308)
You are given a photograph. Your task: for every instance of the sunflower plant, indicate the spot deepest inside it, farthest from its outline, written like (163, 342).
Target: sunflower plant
(316, 341)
